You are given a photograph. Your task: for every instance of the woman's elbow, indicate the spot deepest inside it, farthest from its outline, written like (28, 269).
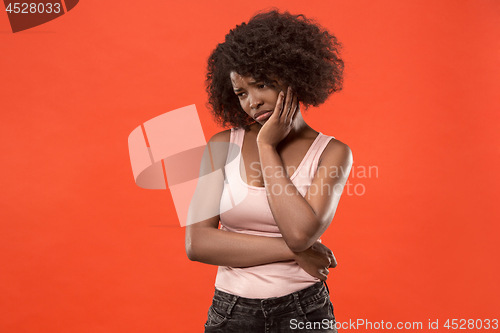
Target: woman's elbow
(198, 242)
(301, 240)
(299, 243)
(191, 250)
(191, 254)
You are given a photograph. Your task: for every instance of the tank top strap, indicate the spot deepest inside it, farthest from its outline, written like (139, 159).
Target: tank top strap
(318, 149)
(235, 143)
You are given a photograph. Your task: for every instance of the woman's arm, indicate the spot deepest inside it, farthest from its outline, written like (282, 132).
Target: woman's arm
(208, 244)
(301, 220)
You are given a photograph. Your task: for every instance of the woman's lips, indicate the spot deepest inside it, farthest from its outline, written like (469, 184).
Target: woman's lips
(263, 115)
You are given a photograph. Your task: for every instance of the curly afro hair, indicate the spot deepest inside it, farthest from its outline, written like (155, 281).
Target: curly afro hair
(292, 48)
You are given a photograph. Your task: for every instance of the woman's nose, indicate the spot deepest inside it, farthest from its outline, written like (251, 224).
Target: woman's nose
(255, 102)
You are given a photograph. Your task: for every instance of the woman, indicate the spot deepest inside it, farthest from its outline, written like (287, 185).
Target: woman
(276, 195)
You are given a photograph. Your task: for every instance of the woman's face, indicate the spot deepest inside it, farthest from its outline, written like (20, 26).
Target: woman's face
(257, 98)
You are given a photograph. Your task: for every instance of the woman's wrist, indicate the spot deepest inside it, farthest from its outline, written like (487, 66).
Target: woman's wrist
(265, 146)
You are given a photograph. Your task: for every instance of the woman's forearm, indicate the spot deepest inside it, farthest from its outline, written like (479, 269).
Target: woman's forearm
(294, 216)
(224, 248)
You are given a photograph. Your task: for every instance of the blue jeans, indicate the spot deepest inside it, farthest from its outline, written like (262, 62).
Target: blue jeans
(307, 310)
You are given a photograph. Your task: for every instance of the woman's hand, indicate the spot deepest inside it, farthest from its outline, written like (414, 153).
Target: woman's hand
(280, 123)
(316, 260)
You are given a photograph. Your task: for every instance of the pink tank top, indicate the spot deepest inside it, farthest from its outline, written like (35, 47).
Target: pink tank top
(252, 215)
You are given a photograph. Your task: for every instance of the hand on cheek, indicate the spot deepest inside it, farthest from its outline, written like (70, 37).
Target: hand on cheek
(280, 123)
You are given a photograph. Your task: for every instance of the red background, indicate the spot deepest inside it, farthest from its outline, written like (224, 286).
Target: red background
(83, 249)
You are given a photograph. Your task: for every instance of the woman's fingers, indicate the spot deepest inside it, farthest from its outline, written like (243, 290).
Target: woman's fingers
(290, 107)
(331, 257)
(324, 263)
(288, 104)
(323, 274)
(286, 107)
(293, 110)
(278, 110)
(280, 104)
(333, 263)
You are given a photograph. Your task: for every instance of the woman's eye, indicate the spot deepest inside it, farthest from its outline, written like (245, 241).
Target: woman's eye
(240, 95)
(262, 86)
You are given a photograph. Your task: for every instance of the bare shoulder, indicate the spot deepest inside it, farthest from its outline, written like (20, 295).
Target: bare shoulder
(336, 153)
(218, 147)
(223, 136)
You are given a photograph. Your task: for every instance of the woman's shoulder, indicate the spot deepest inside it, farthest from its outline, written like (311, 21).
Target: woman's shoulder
(219, 147)
(223, 136)
(336, 152)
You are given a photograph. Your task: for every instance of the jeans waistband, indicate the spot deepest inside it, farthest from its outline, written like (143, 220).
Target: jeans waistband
(229, 303)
